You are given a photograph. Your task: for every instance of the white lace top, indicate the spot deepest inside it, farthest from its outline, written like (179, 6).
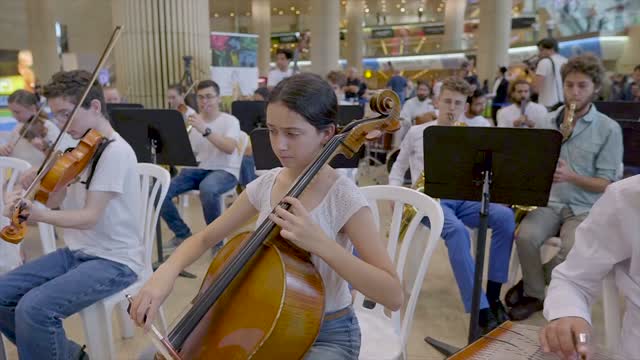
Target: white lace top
(340, 203)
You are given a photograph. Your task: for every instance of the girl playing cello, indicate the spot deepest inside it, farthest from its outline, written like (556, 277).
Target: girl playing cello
(328, 219)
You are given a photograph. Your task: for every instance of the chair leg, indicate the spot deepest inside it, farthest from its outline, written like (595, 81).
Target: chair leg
(98, 332)
(612, 311)
(3, 351)
(126, 324)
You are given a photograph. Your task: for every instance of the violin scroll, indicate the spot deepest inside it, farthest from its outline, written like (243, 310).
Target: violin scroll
(17, 229)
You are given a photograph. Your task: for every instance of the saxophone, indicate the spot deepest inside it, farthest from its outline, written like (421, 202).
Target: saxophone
(566, 127)
(409, 212)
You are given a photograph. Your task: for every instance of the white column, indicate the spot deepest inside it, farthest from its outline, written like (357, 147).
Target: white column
(355, 40)
(261, 25)
(42, 39)
(325, 35)
(157, 34)
(494, 37)
(454, 24)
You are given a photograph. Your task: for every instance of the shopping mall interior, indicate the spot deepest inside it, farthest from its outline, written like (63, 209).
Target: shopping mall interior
(384, 238)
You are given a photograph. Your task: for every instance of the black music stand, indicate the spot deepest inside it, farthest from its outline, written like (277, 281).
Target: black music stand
(157, 137)
(265, 159)
(348, 113)
(251, 114)
(501, 165)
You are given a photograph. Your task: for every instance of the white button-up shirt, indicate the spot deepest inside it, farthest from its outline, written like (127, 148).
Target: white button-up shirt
(411, 155)
(534, 112)
(608, 240)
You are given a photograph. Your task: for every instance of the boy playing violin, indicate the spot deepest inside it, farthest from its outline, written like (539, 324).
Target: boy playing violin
(100, 217)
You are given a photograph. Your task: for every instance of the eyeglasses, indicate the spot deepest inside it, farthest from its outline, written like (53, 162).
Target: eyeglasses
(207, 97)
(63, 115)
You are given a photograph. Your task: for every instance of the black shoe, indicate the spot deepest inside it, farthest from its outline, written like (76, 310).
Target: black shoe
(526, 307)
(514, 294)
(83, 354)
(491, 324)
(499, 312)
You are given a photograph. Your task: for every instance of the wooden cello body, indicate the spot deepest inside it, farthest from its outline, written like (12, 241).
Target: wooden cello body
(262, 297)
(272, 310)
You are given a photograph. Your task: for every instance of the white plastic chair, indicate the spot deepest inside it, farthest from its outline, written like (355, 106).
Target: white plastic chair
(97, 318)
(10, 170)
(243, 142)
(384, 337)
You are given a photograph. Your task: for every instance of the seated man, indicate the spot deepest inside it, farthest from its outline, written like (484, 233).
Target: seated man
(606, 241)
(476, 104)
(589, 161)
(416, 110)
(459, 214)
(523, 113)
(214, 138)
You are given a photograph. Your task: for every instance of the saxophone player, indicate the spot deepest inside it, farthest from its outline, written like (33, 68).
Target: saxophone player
(590, 159)
(460, 214)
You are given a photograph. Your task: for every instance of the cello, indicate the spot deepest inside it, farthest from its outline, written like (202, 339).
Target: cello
(59, 169)
(262, 298)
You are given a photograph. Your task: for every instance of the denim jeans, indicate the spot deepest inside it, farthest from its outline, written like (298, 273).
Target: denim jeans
(211, 183)
(339, 339)
(35, 297)
(457, 215)
(247, 170)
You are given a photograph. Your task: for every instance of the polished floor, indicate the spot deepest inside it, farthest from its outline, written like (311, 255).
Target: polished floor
(439, 312)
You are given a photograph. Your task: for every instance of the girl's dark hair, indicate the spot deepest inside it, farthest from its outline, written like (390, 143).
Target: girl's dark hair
(23, 97)
(310, 96)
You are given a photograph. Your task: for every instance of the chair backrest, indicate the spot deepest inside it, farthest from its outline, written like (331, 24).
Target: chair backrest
(154, 184)
(10, 170)
(425, 206)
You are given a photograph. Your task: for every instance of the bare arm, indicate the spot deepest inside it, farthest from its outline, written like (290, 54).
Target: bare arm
(84, 218)
(537, 83)
(226, 144)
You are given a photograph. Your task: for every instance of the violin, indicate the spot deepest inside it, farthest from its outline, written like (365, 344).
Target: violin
(59, 169)
(182, 108)
(262, 298)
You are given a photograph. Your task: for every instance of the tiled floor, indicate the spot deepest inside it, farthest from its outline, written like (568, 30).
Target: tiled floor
(439, 312)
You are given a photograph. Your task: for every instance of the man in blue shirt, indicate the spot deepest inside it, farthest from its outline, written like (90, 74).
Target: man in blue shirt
(590, 160)
(398, 84)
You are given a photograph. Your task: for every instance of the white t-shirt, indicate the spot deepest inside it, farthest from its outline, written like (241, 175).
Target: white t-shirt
(118, 234)
(276, 75)
(339, 204)
(413, 108)
(208, 155)
(534, 112)
(551, 92)
(479, 121)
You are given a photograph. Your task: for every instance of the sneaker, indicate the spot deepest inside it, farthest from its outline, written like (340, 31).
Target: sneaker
(491, 324)
(173, 244)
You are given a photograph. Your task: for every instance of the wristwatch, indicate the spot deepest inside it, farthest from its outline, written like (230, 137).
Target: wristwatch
(206, 132)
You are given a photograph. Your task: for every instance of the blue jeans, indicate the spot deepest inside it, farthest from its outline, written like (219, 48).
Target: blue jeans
(211, 183)
(457, 215)
(35, 297)
(247, 170)
(339, 339)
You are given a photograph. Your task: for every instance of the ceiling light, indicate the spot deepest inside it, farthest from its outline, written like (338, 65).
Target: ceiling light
(215, 15)
(401, 9)
(297, 12)
(420, 9)
(366, 10)
(248, 13)
(232, 14)
(293, 8)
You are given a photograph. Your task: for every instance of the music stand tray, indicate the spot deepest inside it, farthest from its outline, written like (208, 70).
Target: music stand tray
(501, 165)
(159, 137)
